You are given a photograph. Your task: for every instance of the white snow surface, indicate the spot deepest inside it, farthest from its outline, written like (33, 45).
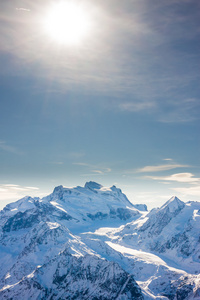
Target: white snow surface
(97, 228)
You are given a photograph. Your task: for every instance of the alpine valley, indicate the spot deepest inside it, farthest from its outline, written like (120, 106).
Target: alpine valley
(92, 243)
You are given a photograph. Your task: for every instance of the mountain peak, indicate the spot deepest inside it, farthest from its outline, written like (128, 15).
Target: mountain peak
(57, 189)
(115, 189)
(173, 204)
(92, 185)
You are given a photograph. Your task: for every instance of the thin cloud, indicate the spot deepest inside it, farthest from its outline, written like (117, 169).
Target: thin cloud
(179, 177)
(177, 117)
(81, 164)
(56, 162)
(168, 159)
(95, 169)
(32, 188)
(5, 147)
(16, 188)
(22, 9)
(90, 174)
(136, 106)
(182, 111)
(160, 168)
(76, 155)
(9, 187)
(190, 191)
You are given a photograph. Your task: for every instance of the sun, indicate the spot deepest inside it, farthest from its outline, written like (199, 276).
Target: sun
(67, 23)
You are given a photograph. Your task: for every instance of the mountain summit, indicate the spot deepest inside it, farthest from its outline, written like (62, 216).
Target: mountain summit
(93, 185)
(92, 202)
(173, 204)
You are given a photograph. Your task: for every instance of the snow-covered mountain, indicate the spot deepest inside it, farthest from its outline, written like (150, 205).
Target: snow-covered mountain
(91, 242)
(172, 231)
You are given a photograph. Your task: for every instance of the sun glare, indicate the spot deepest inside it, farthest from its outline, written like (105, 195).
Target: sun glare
(67, 23)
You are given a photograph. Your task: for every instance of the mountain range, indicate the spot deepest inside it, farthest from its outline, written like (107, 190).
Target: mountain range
(91, 242)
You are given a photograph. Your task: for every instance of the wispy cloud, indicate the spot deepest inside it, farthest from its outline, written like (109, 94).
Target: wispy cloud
(160, 168)
(90, 174)
(137, 106)
(181, 111)
(179, 177)
(56, 163)
(5, 147)
(11, 187)
(168, 159)
(22, 9)
(81, 164)
(94, 169)
(190, 191)
(32, 188)
(76, 155)
(97, 171)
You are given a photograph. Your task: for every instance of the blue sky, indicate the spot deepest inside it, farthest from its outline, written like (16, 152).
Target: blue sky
(120, 108)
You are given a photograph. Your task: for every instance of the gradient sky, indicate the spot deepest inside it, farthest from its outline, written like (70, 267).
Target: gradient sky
(122, 107)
